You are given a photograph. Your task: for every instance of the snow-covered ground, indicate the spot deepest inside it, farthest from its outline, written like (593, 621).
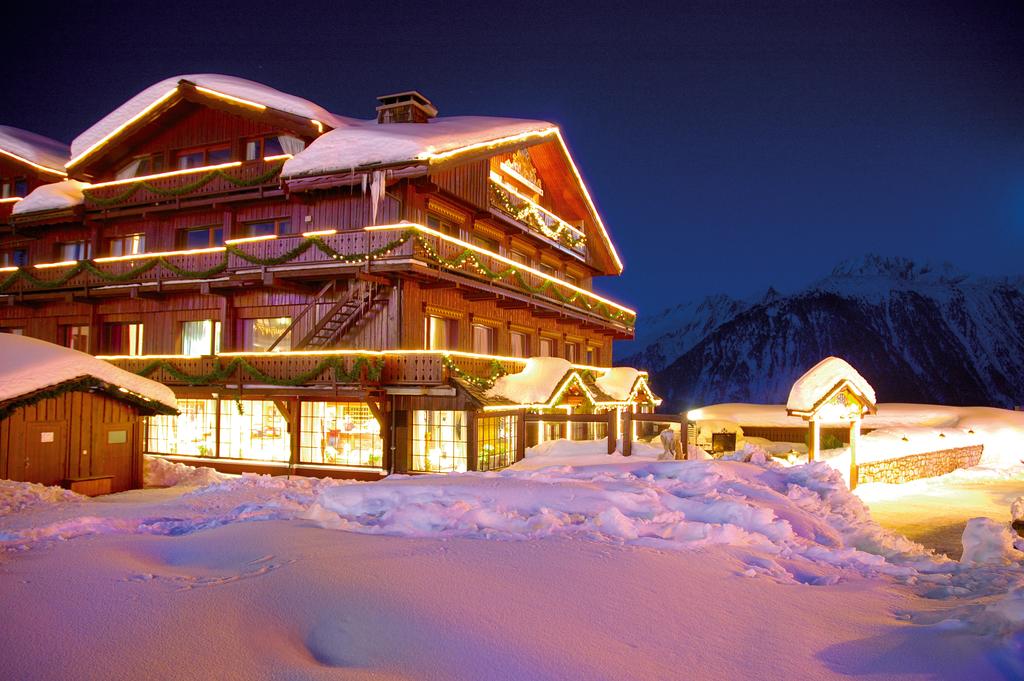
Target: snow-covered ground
(589, 567)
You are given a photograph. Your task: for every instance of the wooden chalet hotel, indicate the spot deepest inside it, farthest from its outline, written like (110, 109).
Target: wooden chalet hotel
(325, 295)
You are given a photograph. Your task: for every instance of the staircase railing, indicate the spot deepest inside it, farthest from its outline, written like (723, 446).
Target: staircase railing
(317, 300)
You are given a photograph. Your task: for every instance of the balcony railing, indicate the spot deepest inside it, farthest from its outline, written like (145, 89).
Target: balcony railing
(194, 182)
(320, 369)
(396, 246)
(521, 208)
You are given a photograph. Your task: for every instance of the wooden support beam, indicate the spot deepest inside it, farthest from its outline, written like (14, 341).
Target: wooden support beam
(613, 436)
(374, 278)
(470, 294)
(270, 280)
(439, 284)
(627, 432)
(509, 304)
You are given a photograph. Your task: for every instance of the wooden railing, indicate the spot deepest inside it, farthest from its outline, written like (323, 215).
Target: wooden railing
(306, 256)
(537, 218)
(247, 175)
(283, 369)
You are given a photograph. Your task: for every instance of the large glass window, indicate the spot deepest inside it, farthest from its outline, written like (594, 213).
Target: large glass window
(442, 334)
(259, 334)
(193, 432)
(253, 429)
(15, 257)
(200, 338)
(122, 339)
(130, 244)
(74, 250)
(201, 237)
(75, 337)
(519, 344)
(483, 339)
(269, 227)
(344, 433)
(438, 441)
(497, 439)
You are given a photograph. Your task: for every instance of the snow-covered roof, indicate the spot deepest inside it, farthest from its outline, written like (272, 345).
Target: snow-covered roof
(42, 151)
(535, 383)
(29, 364)
(55, 196)
(228, 85)
(819, 383)
(370, 143)
(618, 382)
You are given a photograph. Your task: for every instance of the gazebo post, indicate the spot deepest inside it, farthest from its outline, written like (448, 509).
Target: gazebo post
(854, 440)
(814, 447)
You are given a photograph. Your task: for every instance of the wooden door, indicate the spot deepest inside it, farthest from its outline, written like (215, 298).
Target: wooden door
(43, 457)
(113, 451)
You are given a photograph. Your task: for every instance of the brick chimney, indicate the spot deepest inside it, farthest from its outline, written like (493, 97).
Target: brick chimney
(405, 107)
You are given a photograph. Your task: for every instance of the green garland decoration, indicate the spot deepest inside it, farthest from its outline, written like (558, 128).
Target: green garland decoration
(467, 257)
(374, 367)
(187, 188)
(83, 384)
(530, 216)
(484, 383)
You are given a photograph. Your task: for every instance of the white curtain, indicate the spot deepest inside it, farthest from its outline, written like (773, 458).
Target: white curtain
(291, 145)
(130, 170)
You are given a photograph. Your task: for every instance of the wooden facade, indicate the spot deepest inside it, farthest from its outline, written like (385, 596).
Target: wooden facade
(470, 274)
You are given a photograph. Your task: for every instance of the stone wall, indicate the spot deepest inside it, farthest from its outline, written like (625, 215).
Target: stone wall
(914, 466)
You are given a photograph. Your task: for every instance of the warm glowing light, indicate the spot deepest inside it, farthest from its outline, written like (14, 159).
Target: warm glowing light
(231, 98)
(249, 239)
(169, 173)
(12, 199)
(62, 263)
(500, 258)
(8, 269)
(161, 254)
(277, 157)
(432, 155)
(119, 129)
(509, 169)
(35, 165)
(322, 232)
(318, 124)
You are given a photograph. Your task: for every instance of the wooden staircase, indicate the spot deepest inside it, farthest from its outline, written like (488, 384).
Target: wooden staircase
(358, 298)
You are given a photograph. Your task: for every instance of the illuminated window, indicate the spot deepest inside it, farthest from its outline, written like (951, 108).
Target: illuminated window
(572, 352)
(141, 165)
(75, 337)
(200, 237)
(442, 225)
(15, 257)
(74, 250)
(519, 344)
(343, 433)
(483, 339)
(441, 333)
(497, 439)
(548, 347)
(200, 338)
(191, 433)
(438, 441)
(259, 432)
(269, 227)
(122, 339)
(259, 334)
(130, 244)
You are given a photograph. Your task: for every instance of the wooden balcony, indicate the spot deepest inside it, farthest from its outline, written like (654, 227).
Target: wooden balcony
(175, 185)
(323, 370)
(538, 219)
(405, 247)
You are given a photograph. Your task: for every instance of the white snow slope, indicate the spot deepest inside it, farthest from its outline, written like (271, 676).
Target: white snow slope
(632, 569)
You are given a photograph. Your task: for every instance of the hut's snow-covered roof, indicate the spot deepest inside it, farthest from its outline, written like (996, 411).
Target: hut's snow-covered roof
(54, 196)
(814, 386)
(28, 365)
(618, 382)
(228, 85)
(369, 143)
(34, 148)
(535, 383)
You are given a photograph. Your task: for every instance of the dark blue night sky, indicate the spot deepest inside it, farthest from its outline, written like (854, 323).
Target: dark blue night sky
(730, 146)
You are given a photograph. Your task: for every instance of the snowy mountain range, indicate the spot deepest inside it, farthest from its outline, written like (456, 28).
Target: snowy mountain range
(918, 333)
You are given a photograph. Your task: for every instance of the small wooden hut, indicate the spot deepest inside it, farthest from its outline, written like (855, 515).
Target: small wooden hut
(67, 418)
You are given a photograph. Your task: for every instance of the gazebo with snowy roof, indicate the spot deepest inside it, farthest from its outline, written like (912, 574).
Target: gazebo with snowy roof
(832, 393)
(69, 418)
